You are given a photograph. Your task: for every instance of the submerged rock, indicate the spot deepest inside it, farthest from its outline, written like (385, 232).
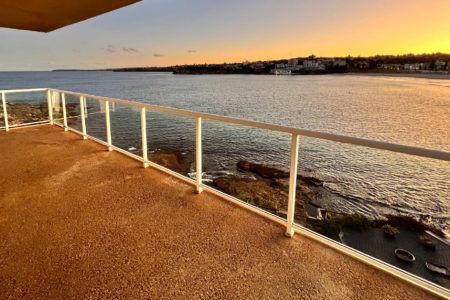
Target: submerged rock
(408, 222)
(332, 224)
(259, 193)
(252, 191)
(174, 160)
(265, 171)
(22, 112)
(427, 242)
(307, 187)
(390, 231)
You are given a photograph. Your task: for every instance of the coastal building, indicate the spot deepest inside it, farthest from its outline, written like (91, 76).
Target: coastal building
(417, 66)
(292, 66)
(281, 66)
(282, 71)
(357, 63)
(440, 65)
(394, 67)
(339, 63)
(411, 67)
(313, 65)
(293, 62)
(258, 66)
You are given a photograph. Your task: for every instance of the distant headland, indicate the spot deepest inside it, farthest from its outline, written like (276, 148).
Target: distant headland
(436, 63)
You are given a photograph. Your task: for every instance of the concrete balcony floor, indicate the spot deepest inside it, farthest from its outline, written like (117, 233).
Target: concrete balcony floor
(79, 222)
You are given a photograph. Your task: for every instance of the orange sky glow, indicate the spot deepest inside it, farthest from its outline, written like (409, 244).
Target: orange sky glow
(169, 32)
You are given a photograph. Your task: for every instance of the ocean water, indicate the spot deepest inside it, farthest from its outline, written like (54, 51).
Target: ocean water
(410, 111)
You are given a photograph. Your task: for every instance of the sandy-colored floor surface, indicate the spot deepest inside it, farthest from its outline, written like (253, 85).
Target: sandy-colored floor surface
(79, 222)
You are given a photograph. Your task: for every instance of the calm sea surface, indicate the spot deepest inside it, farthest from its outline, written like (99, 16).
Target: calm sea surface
(411, 111)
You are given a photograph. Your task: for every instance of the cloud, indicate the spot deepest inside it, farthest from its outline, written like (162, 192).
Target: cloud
(130, 50)
(110, 48)
(158, 55)
(192, 51)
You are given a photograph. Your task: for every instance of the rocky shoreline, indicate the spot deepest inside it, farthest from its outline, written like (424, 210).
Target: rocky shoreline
(19, 113)
(267, 187)
(22, 112)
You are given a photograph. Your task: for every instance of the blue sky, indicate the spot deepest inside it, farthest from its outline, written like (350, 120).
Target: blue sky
(166, 32)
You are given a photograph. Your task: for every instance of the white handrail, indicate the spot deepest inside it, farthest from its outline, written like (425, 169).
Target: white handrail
(405, 149)
(411, 150)
(24, 90)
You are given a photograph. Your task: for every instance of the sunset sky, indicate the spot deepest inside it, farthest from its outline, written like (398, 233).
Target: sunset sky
(168, 32)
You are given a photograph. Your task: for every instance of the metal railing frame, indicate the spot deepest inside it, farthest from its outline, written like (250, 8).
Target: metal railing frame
(291, 226)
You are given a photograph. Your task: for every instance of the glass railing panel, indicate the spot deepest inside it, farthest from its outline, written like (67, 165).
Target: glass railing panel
(57, 108)
(95, 118)
(376, 201)
(73, 112)
(126, 128)
(247, 163)
(26, 107)
(171, 141)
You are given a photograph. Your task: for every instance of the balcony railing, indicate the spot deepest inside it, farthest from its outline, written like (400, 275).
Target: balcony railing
(55, 95)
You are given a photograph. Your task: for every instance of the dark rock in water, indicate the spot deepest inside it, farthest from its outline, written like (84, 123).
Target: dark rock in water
(255, 192)
(259, 193)
(278, 179)
(328, 227)
(265, 171)
(19, 113)
(279, 176)
(174, 160)
(305, 192)
(332, 225)
(22, 112)
(407, 222)
(427, 242)
(310, 180)
(390, 231)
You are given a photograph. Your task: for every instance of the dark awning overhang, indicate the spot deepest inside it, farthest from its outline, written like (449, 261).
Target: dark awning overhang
(48, 15)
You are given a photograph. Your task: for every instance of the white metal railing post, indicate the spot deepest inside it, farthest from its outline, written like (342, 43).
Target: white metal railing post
(50, 107)
(144, 137)
(5, 111)
(292, 185)
(63, 100)
(85, 107)
(108, 126)
(83, 117)
(198, 154)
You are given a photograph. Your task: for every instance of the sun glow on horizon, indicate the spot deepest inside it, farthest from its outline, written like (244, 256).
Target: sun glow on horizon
(164, 33)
